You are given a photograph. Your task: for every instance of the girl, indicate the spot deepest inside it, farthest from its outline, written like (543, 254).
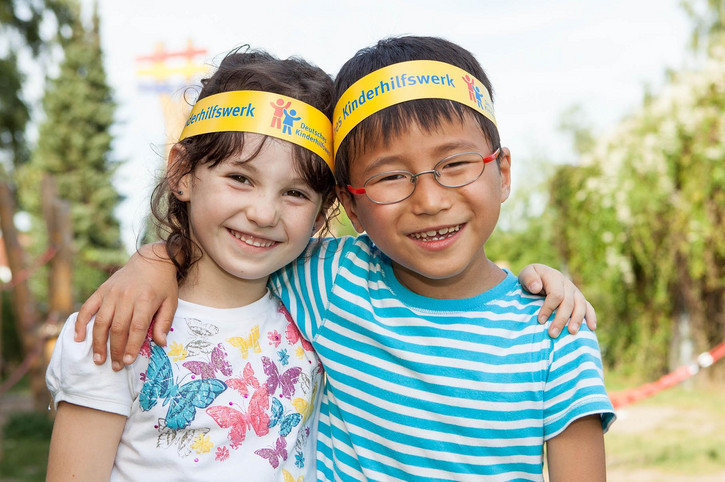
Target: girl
(236, 387)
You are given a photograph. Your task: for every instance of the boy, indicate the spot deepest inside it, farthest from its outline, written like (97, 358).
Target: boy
(436, 368)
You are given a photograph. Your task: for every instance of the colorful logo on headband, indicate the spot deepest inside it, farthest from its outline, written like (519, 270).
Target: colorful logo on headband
(263, 113)
(282, 110)
(405, 81)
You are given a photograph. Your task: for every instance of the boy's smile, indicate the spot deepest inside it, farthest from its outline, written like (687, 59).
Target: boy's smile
(436, 237)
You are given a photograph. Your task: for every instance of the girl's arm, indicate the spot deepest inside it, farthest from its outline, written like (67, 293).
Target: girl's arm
(583, 437)
(145, 291)
(561, 295)
(84, 443)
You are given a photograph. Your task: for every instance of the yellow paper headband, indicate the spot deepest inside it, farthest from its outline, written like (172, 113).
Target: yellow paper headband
(404, 81)
(263, 113)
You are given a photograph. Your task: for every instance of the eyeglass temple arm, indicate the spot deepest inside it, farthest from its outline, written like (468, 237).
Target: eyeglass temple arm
(492, 157)
(356, 190)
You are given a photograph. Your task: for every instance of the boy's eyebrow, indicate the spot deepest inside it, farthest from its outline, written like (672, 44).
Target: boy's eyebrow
(441, 151)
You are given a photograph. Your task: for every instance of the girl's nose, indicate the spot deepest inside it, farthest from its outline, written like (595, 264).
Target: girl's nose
(263, 211)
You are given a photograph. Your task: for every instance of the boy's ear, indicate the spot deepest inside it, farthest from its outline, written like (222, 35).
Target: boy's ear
(180, 186)
(505, 170)
(348, 203)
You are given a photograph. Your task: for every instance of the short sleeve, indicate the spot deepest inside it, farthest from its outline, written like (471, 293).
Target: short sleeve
(304, 285)
(575, 384)
(73, 377)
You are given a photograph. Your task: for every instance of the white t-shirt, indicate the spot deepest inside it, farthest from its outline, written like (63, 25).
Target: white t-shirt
(234, 395)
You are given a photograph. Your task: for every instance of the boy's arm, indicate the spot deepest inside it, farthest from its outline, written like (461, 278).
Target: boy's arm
(144, 290)
(84, 443)
(583, 437)
(561, 295)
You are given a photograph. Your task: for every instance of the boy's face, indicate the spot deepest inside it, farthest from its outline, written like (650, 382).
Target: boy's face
(436, 237)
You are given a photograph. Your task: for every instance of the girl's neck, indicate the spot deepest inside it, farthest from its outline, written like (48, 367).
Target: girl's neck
(223, 291)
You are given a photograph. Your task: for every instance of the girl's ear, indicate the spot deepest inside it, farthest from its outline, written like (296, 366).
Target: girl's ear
(180, 185)
(319, 222)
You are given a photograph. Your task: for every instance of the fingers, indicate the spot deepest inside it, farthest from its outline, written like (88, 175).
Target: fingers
(88, 309)
(118, 331)
(531, 280)
(555, 295)
(563, 303)
(162, 320)
(591, 317)
(145, 312)
(101, 327)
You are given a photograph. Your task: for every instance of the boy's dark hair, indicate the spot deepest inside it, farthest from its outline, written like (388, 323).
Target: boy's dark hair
(241, 69)
(427, 113)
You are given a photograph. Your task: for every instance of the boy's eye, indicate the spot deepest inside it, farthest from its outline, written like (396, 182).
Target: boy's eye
(389, 177)
(456, 165)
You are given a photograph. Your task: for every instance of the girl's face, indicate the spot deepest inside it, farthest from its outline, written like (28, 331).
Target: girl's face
(250, 218)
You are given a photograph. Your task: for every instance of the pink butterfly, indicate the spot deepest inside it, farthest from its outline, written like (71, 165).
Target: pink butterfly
(285, 381)
(237, 421)
(248, 380)
(293, 335)
(274, 454)
(208, 369)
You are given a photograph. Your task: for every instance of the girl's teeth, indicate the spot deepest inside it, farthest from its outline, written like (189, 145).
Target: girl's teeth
(252, 241)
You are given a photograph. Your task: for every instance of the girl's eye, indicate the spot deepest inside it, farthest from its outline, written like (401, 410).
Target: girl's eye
(296, 193)
(240, 178)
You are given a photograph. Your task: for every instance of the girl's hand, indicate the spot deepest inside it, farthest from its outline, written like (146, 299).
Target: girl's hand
(561, 295)
(142, 292)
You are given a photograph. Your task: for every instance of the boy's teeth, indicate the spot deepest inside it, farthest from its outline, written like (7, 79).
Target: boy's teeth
(436, 234)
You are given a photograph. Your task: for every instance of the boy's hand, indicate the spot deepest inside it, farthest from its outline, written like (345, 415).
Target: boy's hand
(142, 292)
(561, 295)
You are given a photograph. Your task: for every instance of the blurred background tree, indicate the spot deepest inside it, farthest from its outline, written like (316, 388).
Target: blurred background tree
(639, 220)
(20, 29)
(74, 146)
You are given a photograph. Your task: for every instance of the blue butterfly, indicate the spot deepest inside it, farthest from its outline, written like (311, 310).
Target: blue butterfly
(286, 422)
(183, 399)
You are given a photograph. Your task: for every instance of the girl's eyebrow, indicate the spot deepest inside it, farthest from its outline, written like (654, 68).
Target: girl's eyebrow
(241, 163)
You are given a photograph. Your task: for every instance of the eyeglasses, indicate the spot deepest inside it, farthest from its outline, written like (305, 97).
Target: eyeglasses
(393, 187)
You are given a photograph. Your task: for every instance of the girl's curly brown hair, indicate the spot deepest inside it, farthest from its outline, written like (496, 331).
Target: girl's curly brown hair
(241, 69)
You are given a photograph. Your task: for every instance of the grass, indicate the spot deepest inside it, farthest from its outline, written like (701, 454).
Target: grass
(25, 447)
(677, 433)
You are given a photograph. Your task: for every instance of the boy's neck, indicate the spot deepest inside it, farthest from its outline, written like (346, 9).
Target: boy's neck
(225, 291)
(474, 282)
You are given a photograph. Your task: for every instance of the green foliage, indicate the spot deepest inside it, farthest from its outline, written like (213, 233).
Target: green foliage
(641, 221)
(708, 18)
(20, 30)
(25, 446)
(73, 146)
(30, 425)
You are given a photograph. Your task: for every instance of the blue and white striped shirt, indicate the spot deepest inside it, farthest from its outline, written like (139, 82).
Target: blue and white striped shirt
(427, 389)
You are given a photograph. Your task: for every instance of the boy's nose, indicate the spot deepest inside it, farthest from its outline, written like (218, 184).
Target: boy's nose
(430, 197)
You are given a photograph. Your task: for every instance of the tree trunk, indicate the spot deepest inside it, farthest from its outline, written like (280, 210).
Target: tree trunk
(27, 314)
(57, 216)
